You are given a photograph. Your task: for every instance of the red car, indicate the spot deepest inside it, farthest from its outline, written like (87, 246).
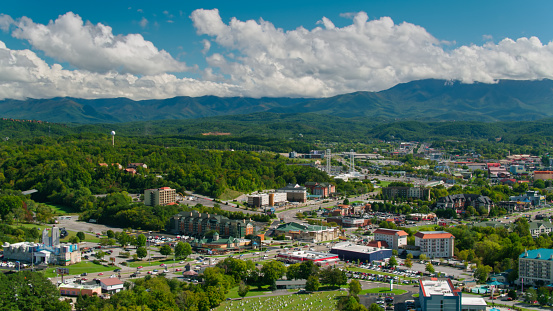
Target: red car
(162, 265)
(101, 273)
(178, 269)
(509, 298)
(140, 267)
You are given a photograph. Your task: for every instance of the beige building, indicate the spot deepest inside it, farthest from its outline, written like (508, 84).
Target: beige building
(435, 244)
(394, 238)
(161, 196)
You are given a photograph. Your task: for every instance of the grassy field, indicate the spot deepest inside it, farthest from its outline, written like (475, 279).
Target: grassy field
(233, 293)
(229, 194)
(78, 268)
(61, 210)
(319, 301)
(88, 237)
(382, 290)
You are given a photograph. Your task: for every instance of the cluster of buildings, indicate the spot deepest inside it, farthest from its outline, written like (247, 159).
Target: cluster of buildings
(49, 251)
(108, 286)
(460, 202)
(131, 167)
(434, 244)
(308, 233)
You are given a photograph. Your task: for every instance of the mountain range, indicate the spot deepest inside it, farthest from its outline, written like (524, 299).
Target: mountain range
(428, 100)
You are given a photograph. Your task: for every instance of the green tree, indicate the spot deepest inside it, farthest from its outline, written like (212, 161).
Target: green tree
(141, 252)
(354, 287)
(81, 235)
(429, 268)
(408, 263)
(140, 240)
(312, 284)
(74, 240)
(530, 295)
(512, 293)
(165, 250)
(307, 269)
(243, 289)
(110, 234)
(30, 291)
(183, 250)
(423, 257)
(272, 271)
(543, 296)
(293, 271)
(375, 307)
(123, 239)
(333, 277)
(482, 272)
(392, 261)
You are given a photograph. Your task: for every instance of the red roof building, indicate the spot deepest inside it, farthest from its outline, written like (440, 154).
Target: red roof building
(435, 244)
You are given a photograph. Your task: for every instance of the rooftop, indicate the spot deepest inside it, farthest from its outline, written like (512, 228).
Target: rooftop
(434, 235)
(391, 232)
(541, 253)
(437, 287)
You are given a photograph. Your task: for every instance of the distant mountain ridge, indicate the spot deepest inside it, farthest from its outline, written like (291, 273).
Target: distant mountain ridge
(427, 100)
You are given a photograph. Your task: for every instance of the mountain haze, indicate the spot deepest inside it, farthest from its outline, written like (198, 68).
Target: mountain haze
(436, 100)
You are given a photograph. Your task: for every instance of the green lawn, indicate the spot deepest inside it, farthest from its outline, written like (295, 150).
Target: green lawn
(382, 290)
(319, 301)
(61, 210)
(233, 293)
(78, 268)
(88, 237)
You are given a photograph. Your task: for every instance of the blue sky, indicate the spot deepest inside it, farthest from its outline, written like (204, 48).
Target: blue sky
(161, 49)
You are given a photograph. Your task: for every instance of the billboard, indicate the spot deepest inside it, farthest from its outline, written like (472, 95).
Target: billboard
(62, 271)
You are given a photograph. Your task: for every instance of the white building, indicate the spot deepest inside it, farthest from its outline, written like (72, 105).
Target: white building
(435, 244)
(440, 294)
(394, 238)
(259, 200)
(111, 285)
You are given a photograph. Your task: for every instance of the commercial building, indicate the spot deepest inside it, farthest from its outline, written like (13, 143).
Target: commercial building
(294, 193)
(161, 196)
(406, 192)
(354, 252)
(321, 259)
(543, 175)
(532, 197)
(267, 199)
(76, 289)
(197, 224)
(302, 232)
(111, 285)
(460, 202)
(435, 244)
(50, 251)
(324, 190)
(349, 222)
(394, 238)
(259, 200)
(535, 267)
(439, 294)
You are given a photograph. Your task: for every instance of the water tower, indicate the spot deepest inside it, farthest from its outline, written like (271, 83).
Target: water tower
(113, 138)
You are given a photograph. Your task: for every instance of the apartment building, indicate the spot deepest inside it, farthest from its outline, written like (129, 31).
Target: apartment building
(435, 244)
(161, 196)
(406, 192)
(394, 238)
(535, 267)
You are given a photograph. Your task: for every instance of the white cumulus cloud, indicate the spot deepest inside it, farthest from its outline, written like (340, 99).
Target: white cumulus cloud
(367, 55)
(24, 75)
(95, 47)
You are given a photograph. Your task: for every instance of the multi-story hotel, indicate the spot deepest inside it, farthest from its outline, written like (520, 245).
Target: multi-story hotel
(161, 196)
(535, 266)
(394, 238)
(197, 224)
(435, 244)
